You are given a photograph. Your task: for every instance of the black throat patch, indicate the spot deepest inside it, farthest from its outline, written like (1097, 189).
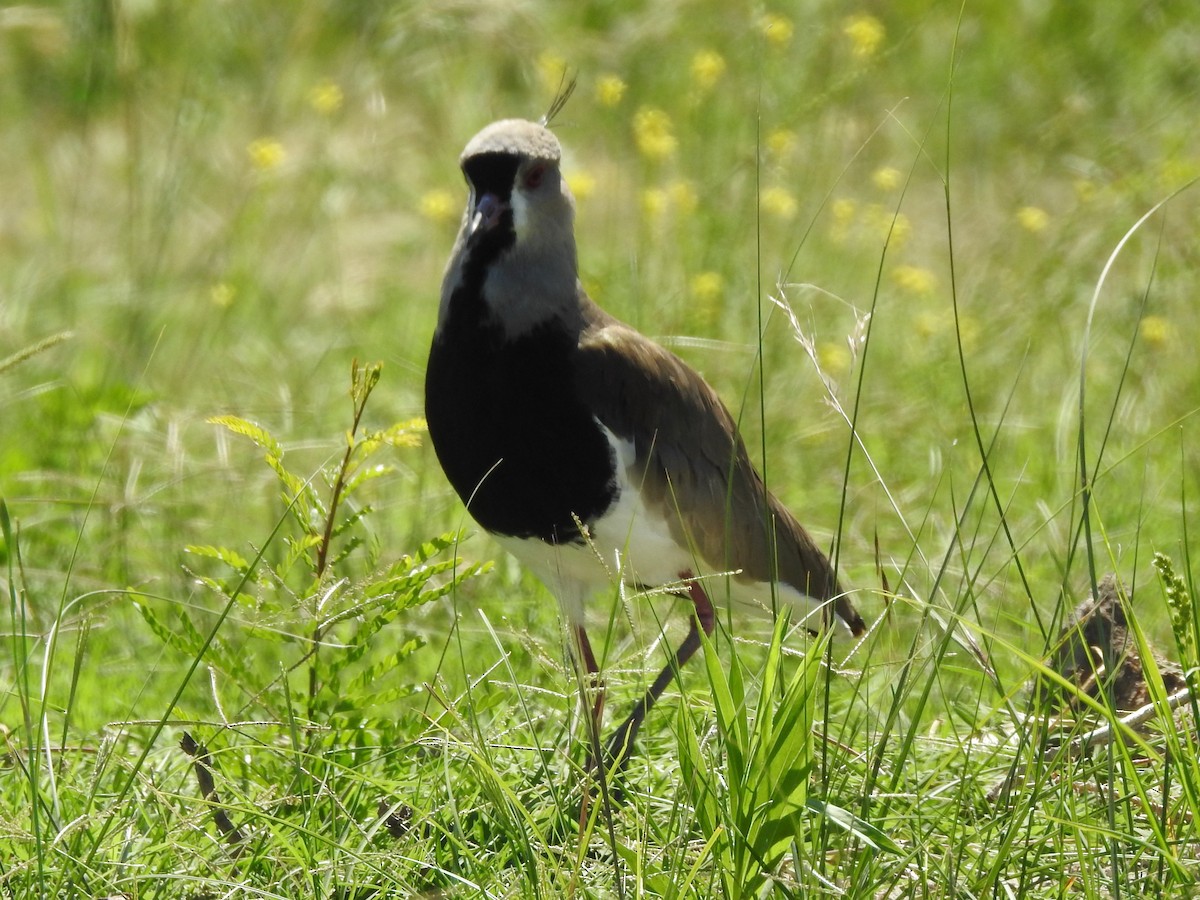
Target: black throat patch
(516, 442)
(488, 173)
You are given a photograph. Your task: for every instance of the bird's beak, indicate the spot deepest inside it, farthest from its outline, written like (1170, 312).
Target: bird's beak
(486, 214)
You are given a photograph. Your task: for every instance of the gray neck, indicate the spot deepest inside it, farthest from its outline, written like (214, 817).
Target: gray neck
(529, 284)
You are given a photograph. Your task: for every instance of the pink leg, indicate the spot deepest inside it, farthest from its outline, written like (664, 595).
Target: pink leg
(705, 618)
(592, 682)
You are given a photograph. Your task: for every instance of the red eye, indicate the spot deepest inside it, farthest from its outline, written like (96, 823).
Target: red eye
(533, 178)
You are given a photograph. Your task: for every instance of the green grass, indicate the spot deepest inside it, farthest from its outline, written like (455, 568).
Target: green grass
(952, 217)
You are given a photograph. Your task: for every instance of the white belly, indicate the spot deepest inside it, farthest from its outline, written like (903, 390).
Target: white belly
(628, 544)
(633, 544)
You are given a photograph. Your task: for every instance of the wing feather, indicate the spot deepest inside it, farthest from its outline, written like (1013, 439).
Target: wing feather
(693, 464)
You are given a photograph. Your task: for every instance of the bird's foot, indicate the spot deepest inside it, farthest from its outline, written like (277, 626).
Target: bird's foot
(607, 772)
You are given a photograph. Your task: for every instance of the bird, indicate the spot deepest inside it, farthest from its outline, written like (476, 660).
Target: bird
(585, 449)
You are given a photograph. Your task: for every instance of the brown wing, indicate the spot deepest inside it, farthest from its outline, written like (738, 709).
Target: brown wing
(695, 466)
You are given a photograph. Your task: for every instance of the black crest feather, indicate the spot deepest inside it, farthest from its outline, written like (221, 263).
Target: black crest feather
(562, 95)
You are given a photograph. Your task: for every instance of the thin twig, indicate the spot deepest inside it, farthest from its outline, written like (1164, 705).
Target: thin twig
(1105, 734)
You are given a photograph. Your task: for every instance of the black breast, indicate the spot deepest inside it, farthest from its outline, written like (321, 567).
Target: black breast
(523, 453)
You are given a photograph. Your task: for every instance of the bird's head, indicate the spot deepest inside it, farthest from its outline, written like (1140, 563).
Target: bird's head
(516, 247)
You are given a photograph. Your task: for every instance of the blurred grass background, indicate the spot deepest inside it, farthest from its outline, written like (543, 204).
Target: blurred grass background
(225, 203)
(213, 207)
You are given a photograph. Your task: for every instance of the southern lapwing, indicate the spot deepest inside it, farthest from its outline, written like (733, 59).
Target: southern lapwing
(584, 448)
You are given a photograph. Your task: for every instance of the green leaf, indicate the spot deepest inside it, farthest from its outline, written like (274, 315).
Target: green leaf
(751, 810)
(869, 834)
(731, 720)
(363, 380)
(251, 430)
(161, 631)
(231, 558)
(701, 783)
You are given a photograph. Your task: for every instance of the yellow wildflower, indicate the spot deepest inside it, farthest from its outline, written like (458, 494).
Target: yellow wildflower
(886, 178)
(833, 357)
(779, 203)
(654, 134)
(222, 294)
(931, 324)
(266, 154)
(1176, 170)
(928, 324)
(682, 195)
(843, 210)
(677, 197)
(782, 143)
(609, 90)
(654, 202)
(551, 68)
(891, 226)
(865, 32)
(439, 206)
(325, 97)
(1085, 189)
(706, 290)
(1033, 218)
(707, 68)
(914, 280)
(1155, 331)
(581, 183)
(707, 287)
(777, 29)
